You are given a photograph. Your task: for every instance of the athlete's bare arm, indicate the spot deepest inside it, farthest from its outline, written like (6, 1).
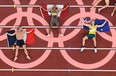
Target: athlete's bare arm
(30, 31)
(63, 9)
(102, 24)
(46, 9)
(11, 34)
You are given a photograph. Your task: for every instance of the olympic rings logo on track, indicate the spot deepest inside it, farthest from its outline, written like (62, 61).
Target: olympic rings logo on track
(59, 40)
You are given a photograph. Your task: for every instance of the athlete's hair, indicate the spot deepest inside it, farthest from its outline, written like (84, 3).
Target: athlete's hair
(55, 6)
(19, 27)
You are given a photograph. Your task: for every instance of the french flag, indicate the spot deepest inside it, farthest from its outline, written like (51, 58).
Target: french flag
(11, 40)
(60, 14)
(28, 38)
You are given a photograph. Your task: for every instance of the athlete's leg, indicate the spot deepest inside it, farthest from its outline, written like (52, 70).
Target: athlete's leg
(59, 29)
(83, 42)
(113, 11)
(94, 41)
(16, 53)
(85, 38)
(26, 52)
(50, 29)
(107, 4)
(95, 3)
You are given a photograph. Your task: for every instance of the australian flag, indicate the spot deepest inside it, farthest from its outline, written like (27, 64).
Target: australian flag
(98, 22)
(105, 28)
(86, 22)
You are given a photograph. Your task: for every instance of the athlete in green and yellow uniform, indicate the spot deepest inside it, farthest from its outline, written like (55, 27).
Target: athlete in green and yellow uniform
(92, 33)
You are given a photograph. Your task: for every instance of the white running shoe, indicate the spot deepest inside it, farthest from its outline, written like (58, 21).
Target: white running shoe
(112, 14)
(82, 49)
(48, 35)
(61, 35)
(95, 50)
(28, 57)
(15, 58)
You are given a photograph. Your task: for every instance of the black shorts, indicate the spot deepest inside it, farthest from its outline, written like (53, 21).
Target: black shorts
(20, 43)
(54, 20)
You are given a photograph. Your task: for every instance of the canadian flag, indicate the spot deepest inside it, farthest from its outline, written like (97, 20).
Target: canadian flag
(60, 14)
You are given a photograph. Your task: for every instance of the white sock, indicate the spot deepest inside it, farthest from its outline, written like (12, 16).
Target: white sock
(28, 57)
(95, 50)
(82, 49)
(15, 58)
(61, 35)
(48, 35)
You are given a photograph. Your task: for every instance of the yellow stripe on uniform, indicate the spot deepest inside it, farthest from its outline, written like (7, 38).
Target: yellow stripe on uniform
(54, 14)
